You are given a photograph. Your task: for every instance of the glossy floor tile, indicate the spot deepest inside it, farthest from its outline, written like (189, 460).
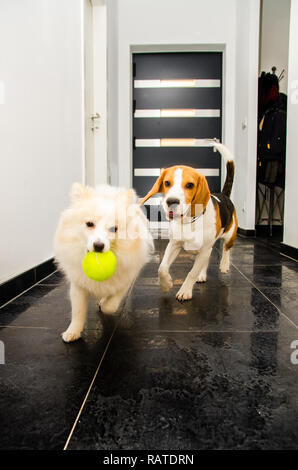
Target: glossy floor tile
(223, 308)
(194, 391)
(217, 372)
(42, 384)
(46, 306)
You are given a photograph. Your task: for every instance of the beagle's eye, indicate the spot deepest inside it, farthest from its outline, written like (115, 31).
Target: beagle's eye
(167, 183)
(90, 224)
(189, 185)
(113, 229)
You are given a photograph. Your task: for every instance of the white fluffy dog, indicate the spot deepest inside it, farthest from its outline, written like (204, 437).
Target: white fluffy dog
(99, 220)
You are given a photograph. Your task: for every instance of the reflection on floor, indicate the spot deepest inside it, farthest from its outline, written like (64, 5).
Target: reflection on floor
(212, 373)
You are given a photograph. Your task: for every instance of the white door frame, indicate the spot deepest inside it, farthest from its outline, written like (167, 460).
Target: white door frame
(95, 95)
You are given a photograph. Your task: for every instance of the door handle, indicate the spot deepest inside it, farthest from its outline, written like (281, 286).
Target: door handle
(95, 116)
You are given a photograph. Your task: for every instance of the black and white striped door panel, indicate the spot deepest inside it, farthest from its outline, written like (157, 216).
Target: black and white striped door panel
(177, 103)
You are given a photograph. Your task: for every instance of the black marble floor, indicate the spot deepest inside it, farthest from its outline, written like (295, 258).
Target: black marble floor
(213, 373)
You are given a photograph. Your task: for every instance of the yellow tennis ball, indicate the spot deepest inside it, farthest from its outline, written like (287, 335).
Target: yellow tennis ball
(99, 266)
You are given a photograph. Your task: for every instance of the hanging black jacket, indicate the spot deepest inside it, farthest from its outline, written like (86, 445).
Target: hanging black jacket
(272, 131)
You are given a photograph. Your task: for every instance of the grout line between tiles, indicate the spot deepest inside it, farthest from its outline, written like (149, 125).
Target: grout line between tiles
(149, 331)
(26, 290)
(89, 389)
(97, 370)
(213, 331)
(43, 327)
(48, 285)
(27, 327)
(287, 256)
(262, 293)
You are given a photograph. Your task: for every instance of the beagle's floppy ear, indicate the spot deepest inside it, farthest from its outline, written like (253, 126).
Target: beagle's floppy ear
(202, 195)
(156, 188)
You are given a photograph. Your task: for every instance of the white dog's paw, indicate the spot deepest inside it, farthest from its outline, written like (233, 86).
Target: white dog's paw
(165, 282)
(110, 305)
(202, 277)
(184, 293)
(71, 335)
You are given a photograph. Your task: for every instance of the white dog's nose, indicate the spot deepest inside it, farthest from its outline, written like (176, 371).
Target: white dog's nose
(98, 246)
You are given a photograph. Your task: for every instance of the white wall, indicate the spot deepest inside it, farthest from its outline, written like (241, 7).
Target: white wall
(291, 212)
(274, 38)
(41, 124)
(246, 91)
(171, 22)
(193, 23)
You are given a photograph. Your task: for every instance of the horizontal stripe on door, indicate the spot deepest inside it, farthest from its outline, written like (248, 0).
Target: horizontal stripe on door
(156, 171)
(172, 143)
(172, 113)
(153, 225)
(191, 83)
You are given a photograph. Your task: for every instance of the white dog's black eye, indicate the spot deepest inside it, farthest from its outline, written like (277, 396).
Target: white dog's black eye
(113, 229)
(167, 183)
(90, 224)
(189, 185)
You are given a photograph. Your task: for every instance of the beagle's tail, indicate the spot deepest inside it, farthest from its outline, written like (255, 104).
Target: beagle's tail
(228, 157)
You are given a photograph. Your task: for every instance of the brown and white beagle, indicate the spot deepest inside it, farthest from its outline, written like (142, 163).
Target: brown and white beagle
(197, 219)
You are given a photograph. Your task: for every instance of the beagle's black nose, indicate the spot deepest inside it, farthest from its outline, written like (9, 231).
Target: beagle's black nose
(172, 200)
(98, 246)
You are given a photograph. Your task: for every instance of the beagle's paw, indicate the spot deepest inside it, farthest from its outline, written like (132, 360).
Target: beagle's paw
(184, 293)
(224, 267)
(202, 277)
(224, 270)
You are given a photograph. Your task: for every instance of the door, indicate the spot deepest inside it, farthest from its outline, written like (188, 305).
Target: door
(177, 102)
(89, 94)
(95, 92)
